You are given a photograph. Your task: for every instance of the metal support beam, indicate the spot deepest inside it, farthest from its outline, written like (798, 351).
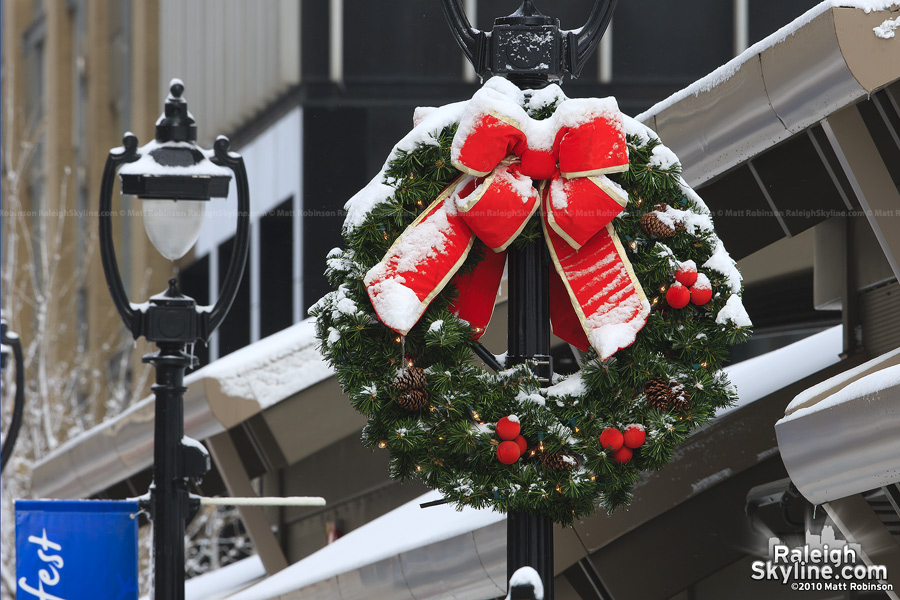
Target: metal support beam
(869, 178)
(230, 467)
(860, 525)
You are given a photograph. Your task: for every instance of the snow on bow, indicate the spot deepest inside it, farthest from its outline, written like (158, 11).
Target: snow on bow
(512, 164)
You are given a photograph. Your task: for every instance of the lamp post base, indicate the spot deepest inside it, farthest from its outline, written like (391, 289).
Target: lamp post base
(169, 500)
(529, 542)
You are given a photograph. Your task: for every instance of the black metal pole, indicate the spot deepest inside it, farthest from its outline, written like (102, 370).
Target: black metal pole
(536, 64)
(169, 495)
(529, 538)
(15, 423)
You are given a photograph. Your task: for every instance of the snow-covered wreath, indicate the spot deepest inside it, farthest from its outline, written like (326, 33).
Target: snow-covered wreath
(640, 283)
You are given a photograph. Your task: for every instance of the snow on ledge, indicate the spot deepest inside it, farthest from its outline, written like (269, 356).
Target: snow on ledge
(762, 375)
(401, 530)
(807, 397)
(223, 582)
(272, 369)
(866, 386)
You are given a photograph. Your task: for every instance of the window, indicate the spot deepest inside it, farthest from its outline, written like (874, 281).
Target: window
(276, 269)
(670, 42)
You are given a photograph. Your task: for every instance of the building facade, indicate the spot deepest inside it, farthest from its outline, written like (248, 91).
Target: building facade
(314, 94)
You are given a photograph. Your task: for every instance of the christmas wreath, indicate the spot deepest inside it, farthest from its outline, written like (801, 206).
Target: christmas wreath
(641, 284)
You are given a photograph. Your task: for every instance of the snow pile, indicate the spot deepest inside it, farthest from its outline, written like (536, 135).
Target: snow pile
(222, 583)
(838, 380)
(886, 30)
(734, 312)
(573, 385)
(722, 262)
(527, 576)
(501, 98)
(147, 164)
(377, 191)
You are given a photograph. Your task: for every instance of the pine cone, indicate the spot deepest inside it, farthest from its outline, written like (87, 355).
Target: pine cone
(411, 383)
(667, 395)
(654, 226)
(413, 399)
(558, 461)
(413, 378)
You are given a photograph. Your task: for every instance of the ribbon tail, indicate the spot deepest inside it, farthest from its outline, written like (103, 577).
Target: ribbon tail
(603, 290)
(419, 264)
(563, 319)
(478, 292)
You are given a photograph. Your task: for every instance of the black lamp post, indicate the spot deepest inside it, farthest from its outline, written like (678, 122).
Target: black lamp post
(174, 178)
(11, 346)
(530, 50)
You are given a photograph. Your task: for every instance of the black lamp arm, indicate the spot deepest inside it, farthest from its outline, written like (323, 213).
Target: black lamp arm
(235, 272)
(586, 40)
(471, 40)
(117, 156)
(9, 441)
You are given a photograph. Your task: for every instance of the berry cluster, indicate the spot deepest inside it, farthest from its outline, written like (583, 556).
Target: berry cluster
(622, 444)
(689, 286)
(513, 445)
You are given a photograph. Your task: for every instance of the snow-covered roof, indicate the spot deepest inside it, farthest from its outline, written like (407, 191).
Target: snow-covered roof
(220, 395)
(411, 552)
(226, 581)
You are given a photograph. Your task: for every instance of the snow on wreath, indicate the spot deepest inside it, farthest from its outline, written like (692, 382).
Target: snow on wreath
(639, 282)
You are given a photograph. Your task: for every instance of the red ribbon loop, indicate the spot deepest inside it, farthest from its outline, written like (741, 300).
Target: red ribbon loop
(595, 298)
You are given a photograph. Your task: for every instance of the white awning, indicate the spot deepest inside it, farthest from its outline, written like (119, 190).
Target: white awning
(842, 437)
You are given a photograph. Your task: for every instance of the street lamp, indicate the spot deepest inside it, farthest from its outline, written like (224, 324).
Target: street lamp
(174, 178)
(10, 346)
(532, 51)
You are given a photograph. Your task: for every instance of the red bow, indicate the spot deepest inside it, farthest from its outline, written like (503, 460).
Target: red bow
(594, 296)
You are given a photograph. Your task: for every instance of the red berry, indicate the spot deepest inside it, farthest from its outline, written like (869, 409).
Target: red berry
(522, 443)
(634, 435)
(508, 428)
(678, 296)
(611, 438)
(622, 455)
(687, 274)
(701, 296)
(701, 293)
(508, 452)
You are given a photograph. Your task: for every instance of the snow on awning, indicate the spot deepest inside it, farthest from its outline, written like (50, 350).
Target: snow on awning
(824, 60)
(219, 396)
(224, 582)
(411, 552)
(762, 375)
(840, 437)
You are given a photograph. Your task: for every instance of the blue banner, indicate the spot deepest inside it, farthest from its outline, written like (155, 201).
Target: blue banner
(73, 549)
